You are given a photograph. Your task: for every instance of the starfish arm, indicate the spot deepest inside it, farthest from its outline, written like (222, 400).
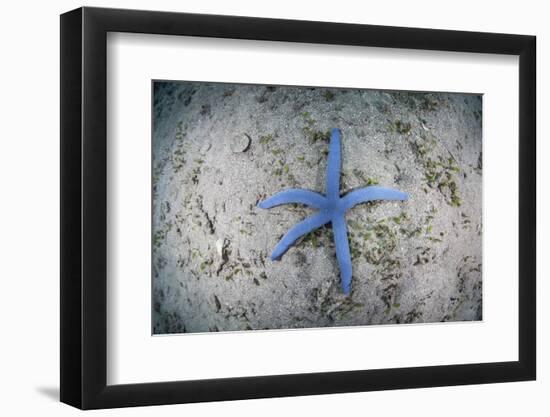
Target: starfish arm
(305, 226)
(294, 195)
(342, 252)
(362, 195)
(333, 165)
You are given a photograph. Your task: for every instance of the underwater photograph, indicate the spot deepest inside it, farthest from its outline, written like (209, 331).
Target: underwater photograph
(287, 207)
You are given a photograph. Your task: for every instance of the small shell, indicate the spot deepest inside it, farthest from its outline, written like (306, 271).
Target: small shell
(221, 246)
(240, 143)
(205, 147)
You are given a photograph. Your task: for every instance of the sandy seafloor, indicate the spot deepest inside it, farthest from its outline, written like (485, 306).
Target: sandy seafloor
(220, 148)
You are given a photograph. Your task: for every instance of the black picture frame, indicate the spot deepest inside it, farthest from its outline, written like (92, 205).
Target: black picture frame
(84, 207)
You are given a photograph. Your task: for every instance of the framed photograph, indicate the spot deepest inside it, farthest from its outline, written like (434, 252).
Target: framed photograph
(256, 207)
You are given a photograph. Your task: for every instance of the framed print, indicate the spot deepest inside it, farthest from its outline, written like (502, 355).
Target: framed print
(256, 208)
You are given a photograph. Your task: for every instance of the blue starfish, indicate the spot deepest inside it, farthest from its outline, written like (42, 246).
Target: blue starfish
(331, 208)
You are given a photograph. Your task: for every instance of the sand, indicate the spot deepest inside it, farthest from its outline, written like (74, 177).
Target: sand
(218, 149)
